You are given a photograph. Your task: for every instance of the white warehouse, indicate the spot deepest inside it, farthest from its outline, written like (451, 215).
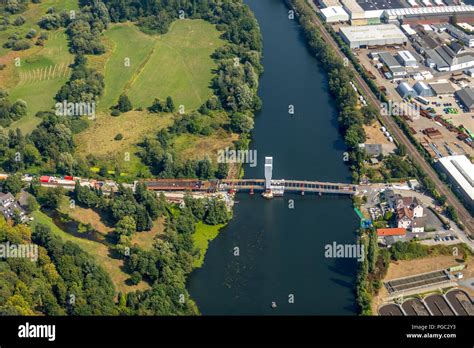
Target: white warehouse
(372, 35)
(406, 58)
(335, 14)
(460, 171)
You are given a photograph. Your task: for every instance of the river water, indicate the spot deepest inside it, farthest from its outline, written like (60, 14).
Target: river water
(270, 252)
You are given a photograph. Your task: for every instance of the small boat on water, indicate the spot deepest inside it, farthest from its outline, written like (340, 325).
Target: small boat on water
(268, 194)
(274, 305)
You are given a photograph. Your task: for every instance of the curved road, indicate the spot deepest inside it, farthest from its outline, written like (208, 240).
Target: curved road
(394, 129)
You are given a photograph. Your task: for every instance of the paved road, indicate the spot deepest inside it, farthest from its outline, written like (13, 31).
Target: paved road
(398, 134)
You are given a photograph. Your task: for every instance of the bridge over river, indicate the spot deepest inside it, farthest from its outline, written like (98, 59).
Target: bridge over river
(268, 186)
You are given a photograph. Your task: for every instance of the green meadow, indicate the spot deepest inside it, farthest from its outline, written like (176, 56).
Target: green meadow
(41, 70)
(39, 77)
(177, 64)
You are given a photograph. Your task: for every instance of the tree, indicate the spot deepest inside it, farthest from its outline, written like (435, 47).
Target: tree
(135, 278)
(241, 123)
(20, 20)
(222, 170)
(442, 200)
(126, 226)
(401, 150)
(31, 204)
(51, 197)
(170, 104)
(124, 103)
(216, 213)
(12, 184)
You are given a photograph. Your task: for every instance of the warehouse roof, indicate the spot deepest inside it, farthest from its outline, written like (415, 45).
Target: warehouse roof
(330, 3)
(407, 56)
(437, 59)
(389, 60)
(334, 12)
(428, 10)
(408, 29)
(462, 170)
(467, 96)
(420, 86)
(369, 5)
(441, 88)
(353, 8)
(373, 32)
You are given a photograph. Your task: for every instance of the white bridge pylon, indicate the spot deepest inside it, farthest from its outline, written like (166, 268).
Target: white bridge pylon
(268, 173)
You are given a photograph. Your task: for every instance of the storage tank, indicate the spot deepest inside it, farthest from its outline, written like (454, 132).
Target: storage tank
(384, 129)
(390, 139)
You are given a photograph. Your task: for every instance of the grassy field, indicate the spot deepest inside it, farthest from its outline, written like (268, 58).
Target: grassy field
(98, 251)
(198, 146)
(145, 239)
(86, 216)
(32, 15)
(176, 64)
(117, 74)
(201, 238)
(98, 139)
(42, 70)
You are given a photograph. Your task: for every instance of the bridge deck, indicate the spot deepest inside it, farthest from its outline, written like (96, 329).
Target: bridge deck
(248, 184)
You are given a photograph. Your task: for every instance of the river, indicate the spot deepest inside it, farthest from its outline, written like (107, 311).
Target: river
(270, 252)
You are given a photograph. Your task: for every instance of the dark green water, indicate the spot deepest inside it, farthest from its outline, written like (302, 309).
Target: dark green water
(281, 250)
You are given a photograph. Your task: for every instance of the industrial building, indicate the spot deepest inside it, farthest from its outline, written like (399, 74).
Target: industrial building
(423, 90)
(428, 15)
(466, 96)
(334, 14)
(467, 39)
(460, 171)
(372, 35)
(442, 88)
(329, 3)
(359, 15)
(405, 90)
(406, 58)
(396, 70)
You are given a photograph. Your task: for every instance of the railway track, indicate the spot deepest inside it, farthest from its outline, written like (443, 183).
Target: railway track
(395, 130)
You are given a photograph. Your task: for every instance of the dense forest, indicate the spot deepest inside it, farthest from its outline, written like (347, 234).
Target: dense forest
(67, 281)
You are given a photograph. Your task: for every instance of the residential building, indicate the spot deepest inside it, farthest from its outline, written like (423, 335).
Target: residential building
(385, 232)
(408, 211)
(8, 206)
